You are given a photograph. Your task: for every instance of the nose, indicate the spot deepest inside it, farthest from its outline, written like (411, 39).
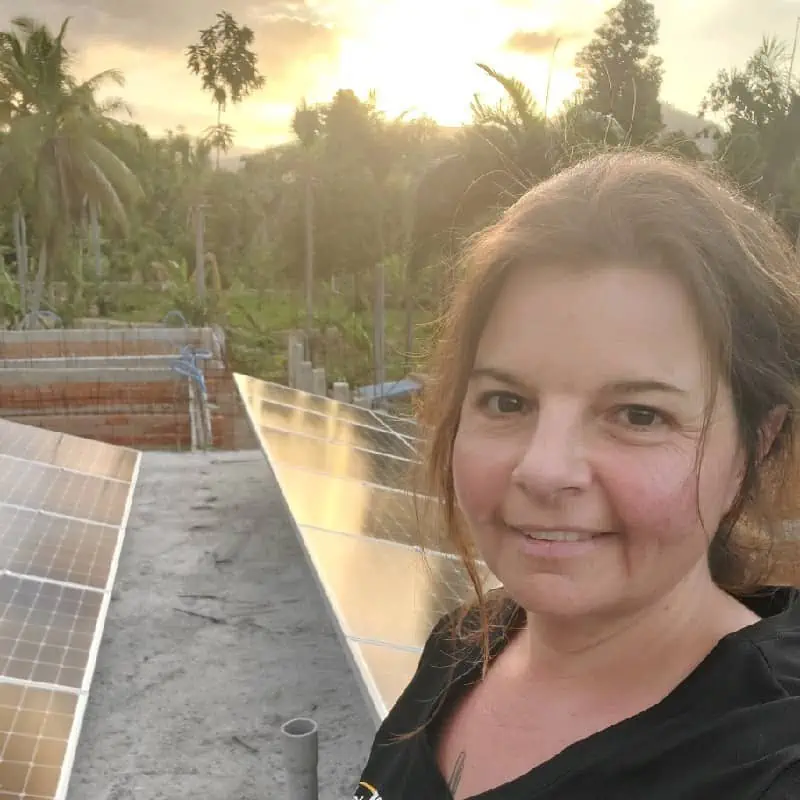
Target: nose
(554, 460)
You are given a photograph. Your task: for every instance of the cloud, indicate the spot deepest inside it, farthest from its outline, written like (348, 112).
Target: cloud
(147, 40)
(532, 42)
(287, 46)
(148, 24)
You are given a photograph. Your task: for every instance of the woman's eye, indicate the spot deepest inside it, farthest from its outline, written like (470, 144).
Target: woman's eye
(502, 403)
(640, 416)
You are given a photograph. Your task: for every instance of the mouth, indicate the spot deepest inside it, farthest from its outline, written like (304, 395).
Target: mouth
(557, 535)
(552, 543)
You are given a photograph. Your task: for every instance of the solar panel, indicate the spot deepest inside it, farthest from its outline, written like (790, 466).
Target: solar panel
(350, 495)
(64, 504)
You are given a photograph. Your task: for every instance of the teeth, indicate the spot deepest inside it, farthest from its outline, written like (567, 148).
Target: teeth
(559, 536)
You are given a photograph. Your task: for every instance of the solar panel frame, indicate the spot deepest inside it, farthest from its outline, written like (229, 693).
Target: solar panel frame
(52, 600)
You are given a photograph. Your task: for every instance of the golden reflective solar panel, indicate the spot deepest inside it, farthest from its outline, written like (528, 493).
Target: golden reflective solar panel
(387, 671)
(337, 460)
(341, 431)
(40, 486)
(35, 729)
(347, 506)
(254, 390)
(367, 579)
(46, 630)
(361, 526)
(62, 450)
(402, 426)
(44, 545)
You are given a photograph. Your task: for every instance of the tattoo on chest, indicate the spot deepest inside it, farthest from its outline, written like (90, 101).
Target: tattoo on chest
(455, 776)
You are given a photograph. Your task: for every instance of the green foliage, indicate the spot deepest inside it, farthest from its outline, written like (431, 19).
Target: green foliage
(761, 146)
(112, 213)
(619, 75)
(227, 65)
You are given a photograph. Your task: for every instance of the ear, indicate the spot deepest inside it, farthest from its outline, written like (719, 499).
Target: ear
(769, 430)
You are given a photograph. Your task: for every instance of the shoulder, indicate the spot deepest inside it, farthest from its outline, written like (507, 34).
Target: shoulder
(776, 638)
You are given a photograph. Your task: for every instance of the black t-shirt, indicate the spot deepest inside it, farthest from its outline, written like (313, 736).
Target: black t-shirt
(729, 731)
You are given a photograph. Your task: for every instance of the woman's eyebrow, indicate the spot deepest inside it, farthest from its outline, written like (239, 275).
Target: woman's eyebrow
(499, 375)
(622, 387)
(641, 386)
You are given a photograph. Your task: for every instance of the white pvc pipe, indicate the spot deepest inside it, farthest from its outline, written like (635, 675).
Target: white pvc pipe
(300, 739)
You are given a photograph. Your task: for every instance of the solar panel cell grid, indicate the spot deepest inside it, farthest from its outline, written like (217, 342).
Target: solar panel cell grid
(63, 508)
(46, 546)
(61, 450)
(46, 630)
(38, 486)
(35, 726)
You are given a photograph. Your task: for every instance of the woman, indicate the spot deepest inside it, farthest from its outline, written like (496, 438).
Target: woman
(612, 413)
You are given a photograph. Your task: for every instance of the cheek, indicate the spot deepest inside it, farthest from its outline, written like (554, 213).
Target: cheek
(481, 475)
(661, 497)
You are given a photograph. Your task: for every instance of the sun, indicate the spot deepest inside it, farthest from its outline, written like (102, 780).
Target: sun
(420, 57)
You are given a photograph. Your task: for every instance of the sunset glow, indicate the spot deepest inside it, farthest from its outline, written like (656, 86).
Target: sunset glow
(418, 55)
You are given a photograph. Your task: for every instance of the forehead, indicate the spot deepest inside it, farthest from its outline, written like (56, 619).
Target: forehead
(589, 325)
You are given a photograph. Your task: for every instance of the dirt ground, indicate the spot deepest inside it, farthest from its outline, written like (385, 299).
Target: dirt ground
(216, 635)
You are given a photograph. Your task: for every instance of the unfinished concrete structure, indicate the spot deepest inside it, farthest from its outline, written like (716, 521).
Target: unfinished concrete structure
(151, 388)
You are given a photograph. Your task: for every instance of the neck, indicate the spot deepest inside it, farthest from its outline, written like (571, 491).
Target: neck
(667, 637)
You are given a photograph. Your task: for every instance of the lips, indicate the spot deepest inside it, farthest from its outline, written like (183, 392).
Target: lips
(558, 536)
(558, 543)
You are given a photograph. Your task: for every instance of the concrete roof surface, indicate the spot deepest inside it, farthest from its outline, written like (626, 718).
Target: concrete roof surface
(216, 634)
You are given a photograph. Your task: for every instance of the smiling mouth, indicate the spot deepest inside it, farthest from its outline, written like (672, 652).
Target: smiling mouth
(558, 536)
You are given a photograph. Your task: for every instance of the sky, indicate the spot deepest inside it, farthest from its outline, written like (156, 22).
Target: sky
(419, 55)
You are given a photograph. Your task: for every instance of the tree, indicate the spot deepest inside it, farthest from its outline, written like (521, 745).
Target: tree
(219, 138)
(619, 77)
(761, 147)
(227, 65)
(56, 158)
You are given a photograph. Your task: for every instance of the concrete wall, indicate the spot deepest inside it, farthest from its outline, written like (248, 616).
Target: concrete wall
(77, 382)
(71, 342)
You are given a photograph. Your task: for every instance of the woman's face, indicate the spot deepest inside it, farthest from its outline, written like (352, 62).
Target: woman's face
(576, 463)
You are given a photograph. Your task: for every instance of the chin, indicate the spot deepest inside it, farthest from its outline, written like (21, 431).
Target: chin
(551, 598)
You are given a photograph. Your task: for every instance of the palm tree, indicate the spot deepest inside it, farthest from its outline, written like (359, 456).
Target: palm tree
(56, 157)
(220, 138)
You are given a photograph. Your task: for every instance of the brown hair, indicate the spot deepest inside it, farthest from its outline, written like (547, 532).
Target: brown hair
(744, 278)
